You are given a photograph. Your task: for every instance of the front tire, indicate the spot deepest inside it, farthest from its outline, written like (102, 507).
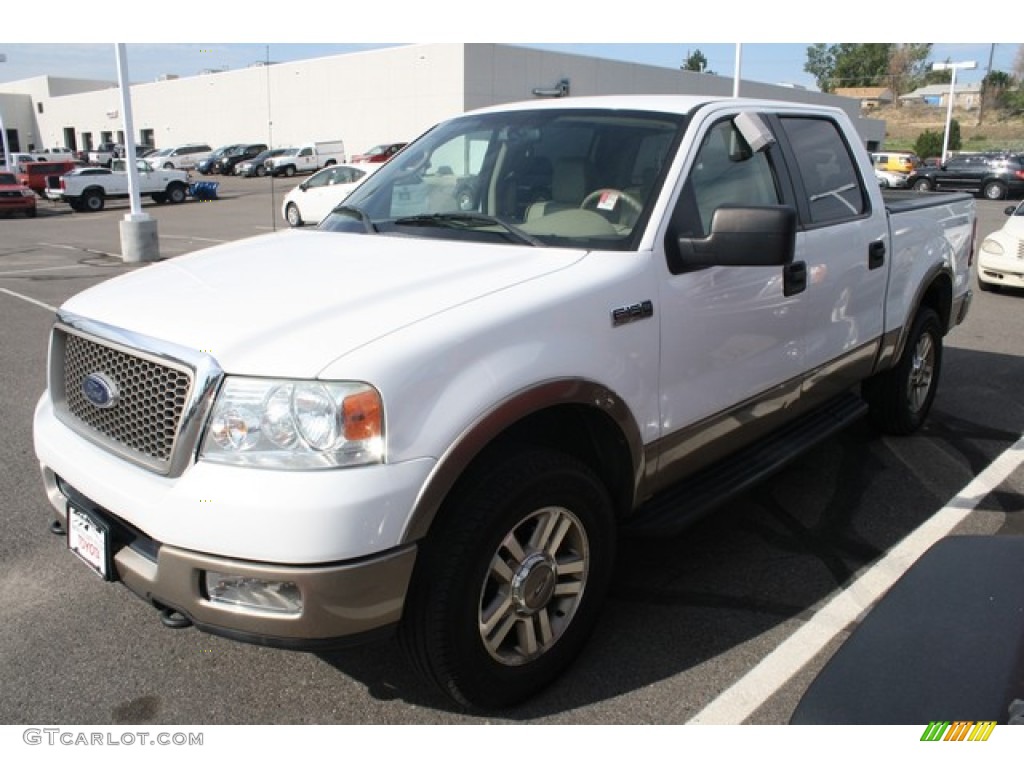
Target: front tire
(900, 398)
(292, 215)
(510, 582)
(922, 185)
(176, 193)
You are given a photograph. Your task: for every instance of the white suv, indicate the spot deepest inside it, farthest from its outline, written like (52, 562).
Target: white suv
(183, 156)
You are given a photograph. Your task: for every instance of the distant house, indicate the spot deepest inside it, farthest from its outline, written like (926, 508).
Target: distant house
(967, 96)
(870, 98)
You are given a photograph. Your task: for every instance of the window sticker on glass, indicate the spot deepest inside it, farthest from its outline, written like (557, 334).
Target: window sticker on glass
(608, 199)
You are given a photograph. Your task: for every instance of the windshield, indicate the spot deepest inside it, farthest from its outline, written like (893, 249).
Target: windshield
(558, 177)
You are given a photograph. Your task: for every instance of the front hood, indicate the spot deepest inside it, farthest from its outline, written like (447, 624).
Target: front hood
(290, 303)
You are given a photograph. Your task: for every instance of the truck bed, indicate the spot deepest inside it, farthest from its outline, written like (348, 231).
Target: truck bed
(901, 200)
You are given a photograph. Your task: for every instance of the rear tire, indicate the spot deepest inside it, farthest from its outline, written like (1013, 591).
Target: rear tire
(994, 190)
(510, 581)
(900, 398)
(93, 201)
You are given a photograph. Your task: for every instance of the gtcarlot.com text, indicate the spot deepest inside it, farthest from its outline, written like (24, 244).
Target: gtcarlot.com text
(80, 738)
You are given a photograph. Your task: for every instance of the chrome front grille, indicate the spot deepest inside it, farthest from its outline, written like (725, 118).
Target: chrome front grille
(154, 395)
(1020, 249)
(151, 399)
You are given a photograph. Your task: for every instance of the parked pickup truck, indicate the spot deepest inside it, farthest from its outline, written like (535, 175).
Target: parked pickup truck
(103, 155)
(88, 189)
(307, 158)
(435, 416)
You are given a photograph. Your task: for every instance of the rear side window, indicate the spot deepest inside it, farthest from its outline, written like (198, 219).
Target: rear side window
(827, 168)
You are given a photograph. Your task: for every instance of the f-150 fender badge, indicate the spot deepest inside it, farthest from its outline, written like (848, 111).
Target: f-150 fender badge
(632, 312)
(100, 391)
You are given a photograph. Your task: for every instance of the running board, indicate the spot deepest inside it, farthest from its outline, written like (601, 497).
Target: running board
(679, 506)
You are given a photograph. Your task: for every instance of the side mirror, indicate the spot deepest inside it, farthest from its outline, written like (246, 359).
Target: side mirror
(763, 236)
(1010, 210)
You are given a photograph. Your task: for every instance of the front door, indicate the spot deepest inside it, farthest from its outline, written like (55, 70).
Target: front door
(732, 341)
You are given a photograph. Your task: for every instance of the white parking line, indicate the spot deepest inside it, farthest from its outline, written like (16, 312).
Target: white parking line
(29, 299)
(33, 270)
(740, 700)
(191, 237)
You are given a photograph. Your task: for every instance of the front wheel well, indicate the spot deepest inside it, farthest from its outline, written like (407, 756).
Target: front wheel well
(583, 432)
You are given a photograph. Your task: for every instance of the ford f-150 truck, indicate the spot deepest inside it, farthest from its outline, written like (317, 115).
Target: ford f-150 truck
(435, 413)
(88, 189)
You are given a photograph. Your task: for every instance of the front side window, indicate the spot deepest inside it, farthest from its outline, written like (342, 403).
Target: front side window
(559, 177)
(727, 172)
(826, 167)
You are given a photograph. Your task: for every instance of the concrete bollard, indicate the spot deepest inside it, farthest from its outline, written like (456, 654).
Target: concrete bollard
(139, 240)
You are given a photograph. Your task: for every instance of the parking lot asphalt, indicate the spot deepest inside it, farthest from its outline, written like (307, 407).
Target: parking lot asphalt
(691, 621)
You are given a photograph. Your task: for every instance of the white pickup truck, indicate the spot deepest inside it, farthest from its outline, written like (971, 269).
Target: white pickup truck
(307, 158)
(540, 326)
(88, 189)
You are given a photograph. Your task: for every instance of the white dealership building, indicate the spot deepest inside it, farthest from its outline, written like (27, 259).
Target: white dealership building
(365, 98)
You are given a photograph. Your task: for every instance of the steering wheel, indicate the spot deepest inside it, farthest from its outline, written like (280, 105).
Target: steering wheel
(608, 199)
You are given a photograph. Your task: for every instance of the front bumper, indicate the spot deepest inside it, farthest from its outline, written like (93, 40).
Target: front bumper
(341, 602)
(1001, 270)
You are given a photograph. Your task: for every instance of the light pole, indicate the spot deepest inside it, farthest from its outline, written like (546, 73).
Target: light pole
(3, 131)
(953, 66)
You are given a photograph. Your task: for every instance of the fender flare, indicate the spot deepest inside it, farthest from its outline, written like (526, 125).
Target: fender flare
(490, 426)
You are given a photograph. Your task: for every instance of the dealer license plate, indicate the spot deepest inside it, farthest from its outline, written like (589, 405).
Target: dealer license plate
(90, 540)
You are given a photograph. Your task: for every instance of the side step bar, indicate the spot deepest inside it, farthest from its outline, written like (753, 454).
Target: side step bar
(678, 507)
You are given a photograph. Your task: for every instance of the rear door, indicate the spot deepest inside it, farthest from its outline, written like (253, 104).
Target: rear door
(962, 173)
(844, 242)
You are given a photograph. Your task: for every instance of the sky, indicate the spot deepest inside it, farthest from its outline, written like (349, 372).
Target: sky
(763, 62)
(637, 31)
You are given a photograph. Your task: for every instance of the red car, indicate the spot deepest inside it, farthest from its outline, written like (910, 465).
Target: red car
(35, 175)
(378, 154)
(15, 197)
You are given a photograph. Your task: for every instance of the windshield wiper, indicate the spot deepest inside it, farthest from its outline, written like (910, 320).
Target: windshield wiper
(467, 221)
(359, 213)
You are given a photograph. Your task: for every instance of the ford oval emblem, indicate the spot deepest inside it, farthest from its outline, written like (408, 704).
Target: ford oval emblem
(99, 390)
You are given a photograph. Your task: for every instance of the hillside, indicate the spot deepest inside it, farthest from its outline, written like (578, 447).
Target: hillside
(904, 124)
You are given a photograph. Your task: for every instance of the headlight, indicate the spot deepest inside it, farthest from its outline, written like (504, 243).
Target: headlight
(286, 424)
(992, 246)
(27, 193)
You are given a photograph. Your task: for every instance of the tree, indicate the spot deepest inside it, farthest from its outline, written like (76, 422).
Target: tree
(696, 62)
(908, 65)
(954, 134)
(901, 67)
(848, 65)
(928, 144)
(993, 86)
